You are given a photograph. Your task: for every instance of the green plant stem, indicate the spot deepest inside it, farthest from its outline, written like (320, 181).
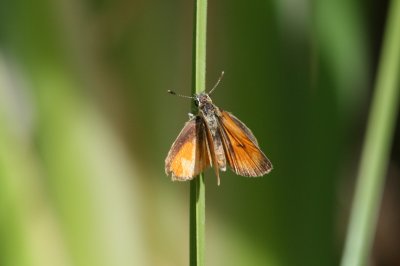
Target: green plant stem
(197, 185)
(375, 154)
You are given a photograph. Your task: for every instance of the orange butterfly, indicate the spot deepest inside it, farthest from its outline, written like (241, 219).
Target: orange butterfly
(216, 138)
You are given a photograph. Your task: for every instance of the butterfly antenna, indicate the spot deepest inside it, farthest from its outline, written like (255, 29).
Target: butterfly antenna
(180, 95)
(218, 81)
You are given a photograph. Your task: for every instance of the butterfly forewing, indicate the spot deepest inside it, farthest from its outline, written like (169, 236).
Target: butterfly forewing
(189, 154)
(242, 152)
(242, 126)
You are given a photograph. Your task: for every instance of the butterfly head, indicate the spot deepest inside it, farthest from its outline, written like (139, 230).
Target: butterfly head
(202, 99)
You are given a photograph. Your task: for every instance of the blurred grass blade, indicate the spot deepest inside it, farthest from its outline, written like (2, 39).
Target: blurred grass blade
(375, 155)
(197, 185)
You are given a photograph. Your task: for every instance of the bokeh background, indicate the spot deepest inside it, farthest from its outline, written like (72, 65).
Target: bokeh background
(86, 123)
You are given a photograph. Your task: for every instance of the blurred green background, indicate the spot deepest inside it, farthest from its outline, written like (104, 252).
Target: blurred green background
(86, 123)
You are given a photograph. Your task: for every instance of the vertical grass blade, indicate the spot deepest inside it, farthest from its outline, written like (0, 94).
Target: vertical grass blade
(197, 185)
(375, 154)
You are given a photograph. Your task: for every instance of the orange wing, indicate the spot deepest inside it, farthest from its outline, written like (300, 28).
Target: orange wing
(242, 152)
(189, 154)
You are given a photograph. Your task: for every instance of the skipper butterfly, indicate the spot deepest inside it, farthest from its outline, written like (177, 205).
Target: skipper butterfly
(216, 138)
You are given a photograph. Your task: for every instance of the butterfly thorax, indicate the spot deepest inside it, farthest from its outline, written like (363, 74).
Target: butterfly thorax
(210, 113)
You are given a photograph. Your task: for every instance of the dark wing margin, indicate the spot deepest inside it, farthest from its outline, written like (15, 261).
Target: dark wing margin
(189, 154)
(242, 152)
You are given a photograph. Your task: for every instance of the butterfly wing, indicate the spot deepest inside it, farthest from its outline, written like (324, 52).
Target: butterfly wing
(242, 152)
(243, 127)
(189, 154)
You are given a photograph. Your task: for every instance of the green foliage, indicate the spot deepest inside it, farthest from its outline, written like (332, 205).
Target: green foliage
(376, 149)
(197, 186)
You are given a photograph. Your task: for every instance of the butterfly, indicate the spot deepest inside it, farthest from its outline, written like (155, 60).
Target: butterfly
(214, 138)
